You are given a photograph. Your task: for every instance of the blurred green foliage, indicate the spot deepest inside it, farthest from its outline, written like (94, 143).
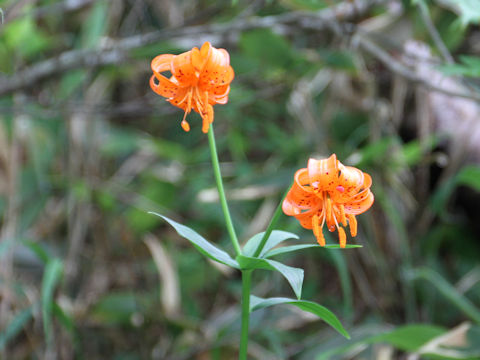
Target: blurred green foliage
(87, 151)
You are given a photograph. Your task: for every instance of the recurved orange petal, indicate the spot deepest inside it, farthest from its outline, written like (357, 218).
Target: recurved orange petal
(199, 80)
(162, 63)
(216, 71)
(180, 99)
(360, 206)
(323, 173)
(327, 192)
(305, 218)
(183, 70)
(164, 87)
(200, 57)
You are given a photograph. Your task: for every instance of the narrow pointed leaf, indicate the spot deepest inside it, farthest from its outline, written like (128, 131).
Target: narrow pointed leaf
(51, 278)
(447, 290)
(407, 338)
(15, 326)
(202, 245)
(63, 318)
(275, 238)
(309, 306)
(38, 250)
(287, 249)
(293, 275)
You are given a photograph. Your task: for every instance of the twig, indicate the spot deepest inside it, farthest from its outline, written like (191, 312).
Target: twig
(115, 52)
(425, 14)
(397, 67)
(59, 9)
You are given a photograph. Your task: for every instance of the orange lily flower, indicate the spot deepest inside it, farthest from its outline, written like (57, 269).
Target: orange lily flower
(199, 79)
(329, 192)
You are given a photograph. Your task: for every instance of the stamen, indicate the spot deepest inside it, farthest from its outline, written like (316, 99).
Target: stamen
(330, 216)
(353, 224)
(205, 125)
(210, 113)
(317, 231)
(185, 125)
(321, 239)
(323, 219)
(189, 93)
(199, 106)
(343, 218)
(189, 101)
(205, 98)
(198, 101)
(342, 237)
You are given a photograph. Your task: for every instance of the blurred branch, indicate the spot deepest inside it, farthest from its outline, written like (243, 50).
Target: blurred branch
(399, 68)
(437, 39)
(59, 8)
(115, 52)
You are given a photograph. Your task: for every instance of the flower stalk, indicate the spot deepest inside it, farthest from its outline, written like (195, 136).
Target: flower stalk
(221, 190)
(246, 285)
(246, 274)
(276, 215)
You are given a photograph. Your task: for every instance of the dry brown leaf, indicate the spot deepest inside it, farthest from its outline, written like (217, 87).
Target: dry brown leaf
(169, 283)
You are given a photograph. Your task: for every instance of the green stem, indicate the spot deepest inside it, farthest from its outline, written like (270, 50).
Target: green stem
(272, 224)
(246, 283)
(221, 191)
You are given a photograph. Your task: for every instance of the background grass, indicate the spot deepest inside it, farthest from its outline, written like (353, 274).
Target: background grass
(86, 149)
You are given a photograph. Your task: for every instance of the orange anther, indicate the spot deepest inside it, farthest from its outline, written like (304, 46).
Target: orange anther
(342, 237)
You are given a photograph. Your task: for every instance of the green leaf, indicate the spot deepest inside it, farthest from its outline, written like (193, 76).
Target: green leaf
(309, 306)
(15, 326)
(278, 53)
(70, 82)
(470, 176)
(413, 151)
(341, 266)
(410, 337)
(23, 36)
(63, 318)
(309, 5)
(342, 60)
(375, 151)
(447, 290)
(95, 25)
(51, 277)
(287, 249)
(438, 201)
(275, 238)
(293, 275)
(469, 66)
(38, 250)
(469, 11)
(202, 245)
(115, 309)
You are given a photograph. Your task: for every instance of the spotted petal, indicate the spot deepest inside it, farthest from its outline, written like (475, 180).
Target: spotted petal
(323, 173)
(360, 206)
(217, 71)
(183, 70)
(164, 87)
